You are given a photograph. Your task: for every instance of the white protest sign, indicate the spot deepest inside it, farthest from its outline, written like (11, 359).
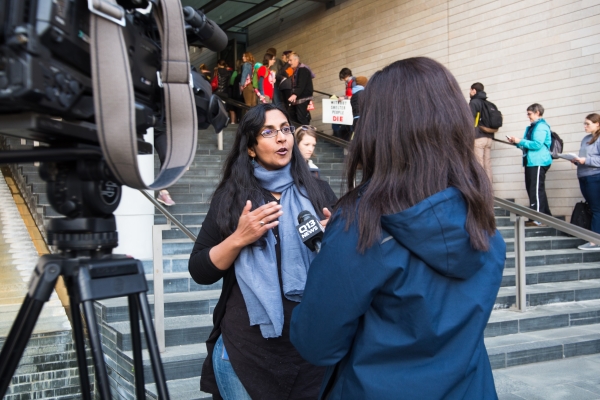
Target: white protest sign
(337, 112)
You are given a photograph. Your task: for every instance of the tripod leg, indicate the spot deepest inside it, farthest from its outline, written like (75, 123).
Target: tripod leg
(136, 345)
(157, 367)
(101, 374)
(41, 286)
(79, 339)
(17, 340)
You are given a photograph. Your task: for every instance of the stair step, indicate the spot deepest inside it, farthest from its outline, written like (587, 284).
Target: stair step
(538, 346)
(175, 233)
(177, 246)
(534, 243)
(507, 322)
(554, 273)
(508, 232)
(187, 219)
(548, 293)
(178, 282)
(177, 263)
(188, 389)
(176, 305)
(179, 331)
(553, 257)
(178, 362)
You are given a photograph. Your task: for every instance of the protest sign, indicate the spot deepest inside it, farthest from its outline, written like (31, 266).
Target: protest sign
(337, 112)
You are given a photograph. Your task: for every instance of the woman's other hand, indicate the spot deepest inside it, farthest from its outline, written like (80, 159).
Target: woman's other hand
(513, 140)
(327, 215)
(253, 224)
(578, 160)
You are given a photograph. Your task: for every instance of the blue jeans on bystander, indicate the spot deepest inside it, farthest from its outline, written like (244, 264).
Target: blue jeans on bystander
(229, 384)
(590, 188)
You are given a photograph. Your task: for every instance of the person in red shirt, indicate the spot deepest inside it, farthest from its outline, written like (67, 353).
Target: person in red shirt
(349, 81)
(266, 79)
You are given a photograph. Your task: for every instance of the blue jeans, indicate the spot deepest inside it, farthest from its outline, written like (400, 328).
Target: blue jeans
(228, 382)
(590, 188)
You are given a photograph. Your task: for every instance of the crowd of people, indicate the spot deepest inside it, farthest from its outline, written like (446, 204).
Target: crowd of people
(536, 147)
(284, 81)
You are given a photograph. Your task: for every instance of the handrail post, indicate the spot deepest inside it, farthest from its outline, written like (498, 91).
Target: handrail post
(159, 290)
(220, 141)
(520, 273)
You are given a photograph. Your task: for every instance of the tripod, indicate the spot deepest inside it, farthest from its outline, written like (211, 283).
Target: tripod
(86, 194)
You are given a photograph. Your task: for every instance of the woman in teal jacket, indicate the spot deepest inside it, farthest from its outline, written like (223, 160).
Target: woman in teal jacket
(536, 159)
(397, 300)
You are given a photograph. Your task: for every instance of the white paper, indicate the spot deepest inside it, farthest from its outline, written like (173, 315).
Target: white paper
(567, 156)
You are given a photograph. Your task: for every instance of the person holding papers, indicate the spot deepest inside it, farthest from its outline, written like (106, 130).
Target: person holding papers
(536, 159)
(588, 172)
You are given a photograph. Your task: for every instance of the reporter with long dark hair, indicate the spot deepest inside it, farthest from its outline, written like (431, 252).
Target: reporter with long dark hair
(397, 300)
(249, 239)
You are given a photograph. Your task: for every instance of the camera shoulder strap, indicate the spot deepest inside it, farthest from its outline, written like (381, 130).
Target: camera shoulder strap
(114, 97)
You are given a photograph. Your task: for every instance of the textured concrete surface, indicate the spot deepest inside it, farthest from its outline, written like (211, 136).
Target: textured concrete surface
(569, 379)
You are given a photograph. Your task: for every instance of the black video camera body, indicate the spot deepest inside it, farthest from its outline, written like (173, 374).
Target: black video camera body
(45, 65)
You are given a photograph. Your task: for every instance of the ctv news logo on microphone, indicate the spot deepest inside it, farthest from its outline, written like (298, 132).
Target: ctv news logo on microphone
(308, 228)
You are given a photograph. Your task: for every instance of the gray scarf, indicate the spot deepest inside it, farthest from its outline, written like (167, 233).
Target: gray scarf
(256, 266)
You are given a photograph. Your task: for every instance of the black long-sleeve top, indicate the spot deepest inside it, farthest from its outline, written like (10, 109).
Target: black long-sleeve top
(268, 368)
(302, 83)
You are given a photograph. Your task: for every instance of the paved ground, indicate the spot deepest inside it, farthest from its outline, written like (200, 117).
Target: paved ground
(575, 378)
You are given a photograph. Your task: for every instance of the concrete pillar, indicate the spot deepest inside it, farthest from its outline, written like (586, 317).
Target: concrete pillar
(135, 215)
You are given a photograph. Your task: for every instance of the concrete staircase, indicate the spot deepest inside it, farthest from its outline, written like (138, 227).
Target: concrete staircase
(563, 293)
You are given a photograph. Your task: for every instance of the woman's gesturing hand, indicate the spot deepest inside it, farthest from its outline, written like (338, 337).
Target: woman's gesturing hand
(253, 224)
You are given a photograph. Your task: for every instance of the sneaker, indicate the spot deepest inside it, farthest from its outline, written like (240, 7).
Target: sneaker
(589, 246)
(534, 223)
(165, 198)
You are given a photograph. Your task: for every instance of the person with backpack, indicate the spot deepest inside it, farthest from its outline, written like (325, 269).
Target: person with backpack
(537, 159)
(246, 87)
(484, 133)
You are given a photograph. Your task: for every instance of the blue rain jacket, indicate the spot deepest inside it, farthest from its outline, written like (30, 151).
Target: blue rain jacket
(404, 320)
(537, 144)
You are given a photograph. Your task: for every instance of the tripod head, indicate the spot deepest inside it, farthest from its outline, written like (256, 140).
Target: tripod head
(81, 187)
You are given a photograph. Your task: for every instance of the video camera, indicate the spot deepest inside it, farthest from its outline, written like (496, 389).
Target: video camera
(45, 69)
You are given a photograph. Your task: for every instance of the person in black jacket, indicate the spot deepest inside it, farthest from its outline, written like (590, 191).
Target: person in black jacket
(302, 91)
(483, 139)
(249, 239)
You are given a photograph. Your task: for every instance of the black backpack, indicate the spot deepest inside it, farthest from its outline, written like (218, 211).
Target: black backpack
(556, 145)
(491, 117)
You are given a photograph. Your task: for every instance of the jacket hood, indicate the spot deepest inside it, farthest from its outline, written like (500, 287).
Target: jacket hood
(434, 230)
(480, 95)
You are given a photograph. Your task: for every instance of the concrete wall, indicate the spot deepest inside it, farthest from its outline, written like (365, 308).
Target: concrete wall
(522, 51)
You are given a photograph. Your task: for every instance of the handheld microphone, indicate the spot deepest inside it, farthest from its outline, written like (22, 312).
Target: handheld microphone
(310, 230)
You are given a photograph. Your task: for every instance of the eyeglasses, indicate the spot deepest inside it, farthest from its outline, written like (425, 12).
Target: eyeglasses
(286, 130)
(308, 128)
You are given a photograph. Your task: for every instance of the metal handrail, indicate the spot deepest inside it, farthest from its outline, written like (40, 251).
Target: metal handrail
(552, 222)
(520, 214)
(169, 216)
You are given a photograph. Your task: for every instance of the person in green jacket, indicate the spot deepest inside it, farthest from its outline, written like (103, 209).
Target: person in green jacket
(536, 159)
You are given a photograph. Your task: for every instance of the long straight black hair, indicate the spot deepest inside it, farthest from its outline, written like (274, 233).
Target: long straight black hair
(414, 138)
(239, 183)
